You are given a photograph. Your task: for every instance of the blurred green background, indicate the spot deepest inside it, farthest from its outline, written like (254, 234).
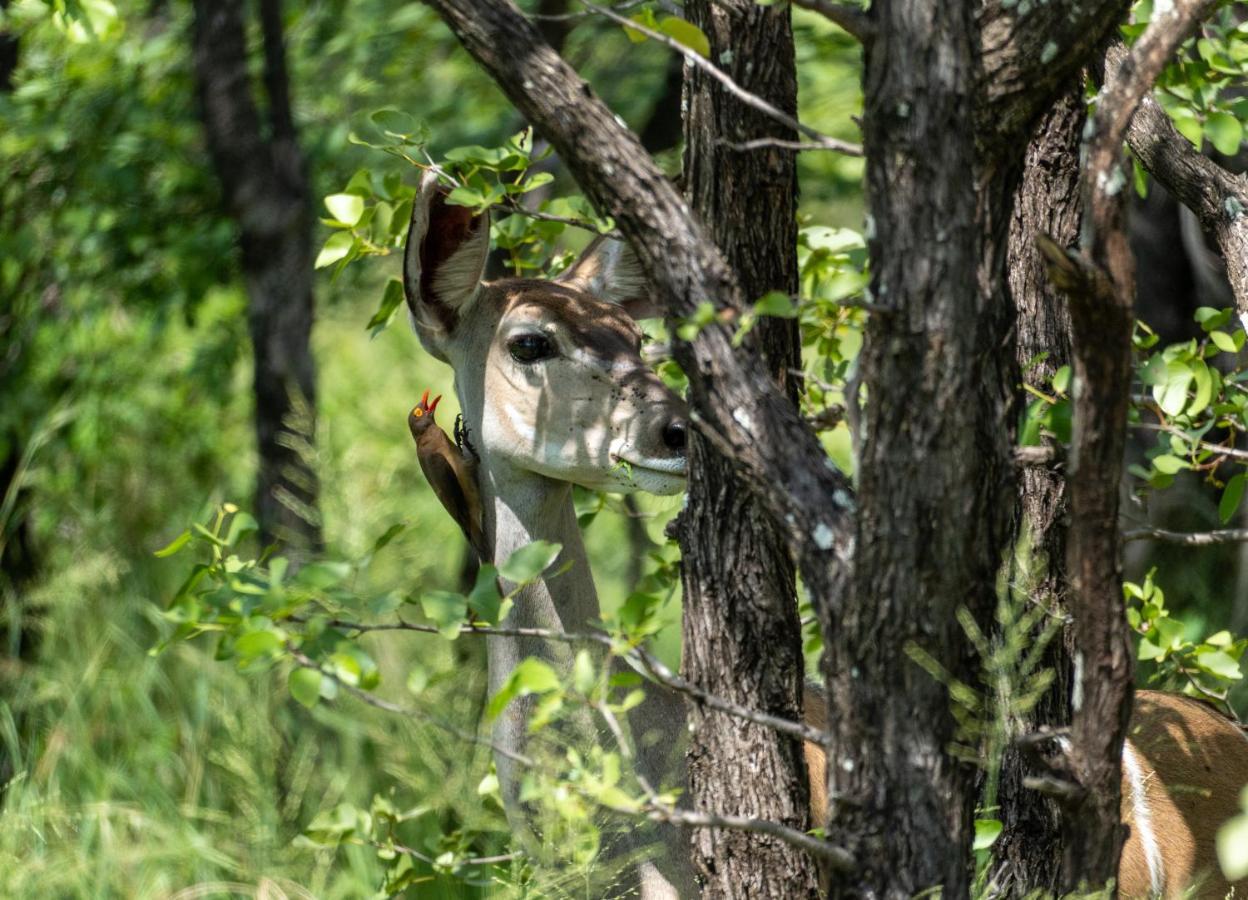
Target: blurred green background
(126, 414)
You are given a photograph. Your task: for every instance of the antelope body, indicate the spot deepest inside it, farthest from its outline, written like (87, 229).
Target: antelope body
(554, 392)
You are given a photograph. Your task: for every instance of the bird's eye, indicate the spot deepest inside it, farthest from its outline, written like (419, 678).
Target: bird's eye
(530, 348)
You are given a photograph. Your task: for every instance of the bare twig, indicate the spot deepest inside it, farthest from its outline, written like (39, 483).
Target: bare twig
(820, 141)
(838, 857)
(1189, 539)
(834, 144)
(517, 209)
(1216, 449)
(582, 14)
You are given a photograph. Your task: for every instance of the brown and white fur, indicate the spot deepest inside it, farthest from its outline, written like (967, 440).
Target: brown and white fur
(586, 410)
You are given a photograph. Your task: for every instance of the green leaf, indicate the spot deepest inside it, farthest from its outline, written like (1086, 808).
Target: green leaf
(484, 599)
(334, 249)
(1170, 386)
(1061, 379)
(686, 34)
(986, 833)
(1233, 848)
(345, 208)
(417, 679)
(1169, 465)
(1232, 494)
(776, 303)
(447, 610)
(174, 545)
(1223, 341)
(390, 302)
(240, 524)
(257, 643)
(1225, 132)
(1204, 387)
(305, 686)
(391, 533)
(1219, 663)
(531, 676)
(530, 561)
(646, 18)
(466, 196)
(583, 676)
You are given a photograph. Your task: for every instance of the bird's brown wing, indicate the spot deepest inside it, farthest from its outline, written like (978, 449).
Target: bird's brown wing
(453, 480)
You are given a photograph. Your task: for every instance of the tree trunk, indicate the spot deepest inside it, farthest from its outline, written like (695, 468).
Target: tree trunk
(8, 54)
(741, 632)
(1047, 202)
(265, 180)
(935, 460)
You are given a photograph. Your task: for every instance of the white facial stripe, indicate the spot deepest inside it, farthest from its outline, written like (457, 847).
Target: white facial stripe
(523, 427)
(1143, 819)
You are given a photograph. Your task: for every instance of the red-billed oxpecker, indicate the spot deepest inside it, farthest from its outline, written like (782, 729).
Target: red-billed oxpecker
(450, 472)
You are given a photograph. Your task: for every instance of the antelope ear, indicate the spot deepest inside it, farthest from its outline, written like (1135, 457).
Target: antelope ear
(442, 263)
(609, 270)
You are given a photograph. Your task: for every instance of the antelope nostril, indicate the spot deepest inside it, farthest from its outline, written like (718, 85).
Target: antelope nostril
(675, 434)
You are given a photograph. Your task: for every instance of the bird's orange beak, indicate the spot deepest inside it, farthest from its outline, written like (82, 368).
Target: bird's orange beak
(434, 405)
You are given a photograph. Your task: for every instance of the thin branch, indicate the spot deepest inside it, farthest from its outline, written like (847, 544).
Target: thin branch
(838, 858)
(1189, 539)
(654, 809)
(1218, 198)
(583, 14)
(517, 209)
(1216, 449)
(820, 141)
(638, 655)
(764, 143)
(851, 19)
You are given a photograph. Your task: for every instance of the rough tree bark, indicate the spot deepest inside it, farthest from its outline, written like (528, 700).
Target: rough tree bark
(1047, 202)
(265, 181)
(926, 537)
(741, 635)
(8, 54)
(1099, 281)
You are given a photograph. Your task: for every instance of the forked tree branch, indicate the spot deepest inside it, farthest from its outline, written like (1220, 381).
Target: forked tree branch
(853, 20)
(1029, 53)
(1100, 284)
(729, 387)
(1218, 198)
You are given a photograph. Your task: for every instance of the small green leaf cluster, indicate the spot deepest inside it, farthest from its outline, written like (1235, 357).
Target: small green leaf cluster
(265, 614)
(1193, 89)
(1048, 415)
(679, 30)
(1206, 668)
(370, 215)
(1196, 403)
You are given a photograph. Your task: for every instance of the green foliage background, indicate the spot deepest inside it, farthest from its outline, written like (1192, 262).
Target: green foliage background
(140, 775)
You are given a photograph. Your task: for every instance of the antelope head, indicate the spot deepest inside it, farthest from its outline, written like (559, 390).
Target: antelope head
(549, 372)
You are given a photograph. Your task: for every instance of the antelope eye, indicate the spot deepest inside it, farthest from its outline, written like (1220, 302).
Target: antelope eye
(530, 348)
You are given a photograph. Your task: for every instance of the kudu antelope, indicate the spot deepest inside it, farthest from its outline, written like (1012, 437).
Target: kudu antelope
(554, 392)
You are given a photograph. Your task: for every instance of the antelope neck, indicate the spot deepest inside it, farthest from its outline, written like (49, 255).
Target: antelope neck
(521, 507)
